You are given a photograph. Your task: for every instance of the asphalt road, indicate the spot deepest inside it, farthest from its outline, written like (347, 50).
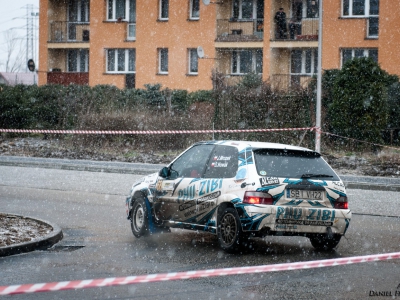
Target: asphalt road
(89, 207)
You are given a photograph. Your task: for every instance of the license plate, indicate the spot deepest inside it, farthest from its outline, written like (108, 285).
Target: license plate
(303, 194)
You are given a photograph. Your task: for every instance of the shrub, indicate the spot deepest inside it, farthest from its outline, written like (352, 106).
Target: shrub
(359, 108)
(15, 107)
(47, 106)
(201, 96)
(179, 99)
(153, 95)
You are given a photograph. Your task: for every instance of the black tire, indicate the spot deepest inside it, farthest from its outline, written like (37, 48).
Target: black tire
(139, 218)
(229, 231)
(323, 242)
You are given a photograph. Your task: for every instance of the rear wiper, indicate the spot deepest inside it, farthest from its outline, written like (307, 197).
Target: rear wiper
(310, 175)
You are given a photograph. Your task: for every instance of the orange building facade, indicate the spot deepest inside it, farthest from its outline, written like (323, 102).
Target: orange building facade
(182, 43)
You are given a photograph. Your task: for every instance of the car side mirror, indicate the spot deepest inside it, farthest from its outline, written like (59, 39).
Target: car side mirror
(165, 172)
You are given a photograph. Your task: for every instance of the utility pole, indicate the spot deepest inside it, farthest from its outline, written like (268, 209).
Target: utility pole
(319, 83)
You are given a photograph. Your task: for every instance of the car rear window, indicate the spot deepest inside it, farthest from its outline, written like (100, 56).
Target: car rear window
(292, 164)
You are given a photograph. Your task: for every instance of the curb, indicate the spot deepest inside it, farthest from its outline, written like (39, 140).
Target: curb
(369, 186)
(38, 244)
(80, 165)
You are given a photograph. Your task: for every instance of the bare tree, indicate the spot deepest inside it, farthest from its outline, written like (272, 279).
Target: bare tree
(14, 52)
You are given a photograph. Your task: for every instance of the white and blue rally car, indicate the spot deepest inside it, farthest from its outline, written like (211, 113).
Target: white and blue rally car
(241, 189)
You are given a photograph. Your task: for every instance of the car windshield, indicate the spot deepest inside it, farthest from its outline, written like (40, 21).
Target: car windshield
(292, 164)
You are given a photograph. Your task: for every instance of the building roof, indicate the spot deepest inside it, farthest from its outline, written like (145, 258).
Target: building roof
(18, 78)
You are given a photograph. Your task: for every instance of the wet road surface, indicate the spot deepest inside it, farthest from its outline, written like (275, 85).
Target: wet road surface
(98, 243)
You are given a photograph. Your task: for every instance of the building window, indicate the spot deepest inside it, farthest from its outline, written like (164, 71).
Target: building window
(131, 32)
(246, 61)
(312, 8)
(373, 27)
(194, 9)
(163, 61)
(121, 60)
(193, 61)
(130, 81)
(304, 61)
(164, 6)
(132, 11)
(348, 54)
(360, 8)
(78, 11)
(248, 9)
(304, 9)
(121, 10)
(78, 60)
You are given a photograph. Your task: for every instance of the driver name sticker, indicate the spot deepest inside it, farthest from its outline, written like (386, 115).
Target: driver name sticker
(221, 157)
(219, 165)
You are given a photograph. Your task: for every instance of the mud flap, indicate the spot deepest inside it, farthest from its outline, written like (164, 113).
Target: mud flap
(152, 227)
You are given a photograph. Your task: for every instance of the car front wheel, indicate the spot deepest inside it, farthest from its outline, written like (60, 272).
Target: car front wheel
(139, 218)
(325, 243)
(229, 230)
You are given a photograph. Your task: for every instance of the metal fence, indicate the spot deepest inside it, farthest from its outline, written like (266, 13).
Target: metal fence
(244, 27)
(296, 29)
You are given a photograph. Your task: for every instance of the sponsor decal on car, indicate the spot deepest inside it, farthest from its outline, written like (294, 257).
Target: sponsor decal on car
(209, 197)
(205, 187)
(268, 180)
(159, 185)
(200, 201)
(302, 216)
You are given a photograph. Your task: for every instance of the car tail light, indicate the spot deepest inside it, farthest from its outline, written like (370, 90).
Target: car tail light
(341, 203)
(258, 198)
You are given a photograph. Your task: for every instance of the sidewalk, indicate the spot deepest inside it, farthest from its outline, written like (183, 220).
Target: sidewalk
(351, 181)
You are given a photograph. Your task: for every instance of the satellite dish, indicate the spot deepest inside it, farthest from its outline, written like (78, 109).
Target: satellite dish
(206, 2)
(200, 51)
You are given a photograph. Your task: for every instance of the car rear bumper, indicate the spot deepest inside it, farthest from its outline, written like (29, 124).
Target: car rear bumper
(293, 220)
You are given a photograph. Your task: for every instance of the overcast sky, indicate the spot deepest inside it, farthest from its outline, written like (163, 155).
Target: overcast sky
(14, 18)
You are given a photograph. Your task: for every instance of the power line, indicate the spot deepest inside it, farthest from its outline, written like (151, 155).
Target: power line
(6, 21)
(21, 27)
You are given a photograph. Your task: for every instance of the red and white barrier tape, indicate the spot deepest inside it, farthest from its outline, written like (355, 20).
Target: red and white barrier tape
(360, 141)
(150, 131)
(92, 283)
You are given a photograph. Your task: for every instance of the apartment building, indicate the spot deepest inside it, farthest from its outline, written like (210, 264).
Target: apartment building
(178, 43)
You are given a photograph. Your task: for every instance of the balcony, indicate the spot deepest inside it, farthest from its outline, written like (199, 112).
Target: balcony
(67, 78)
(65, 32)
(290, 81)
(305, 29)
(240, 30)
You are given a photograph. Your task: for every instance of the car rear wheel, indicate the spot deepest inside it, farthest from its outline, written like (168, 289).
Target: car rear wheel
(139, 218)
(229, 231)
(323, 242)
